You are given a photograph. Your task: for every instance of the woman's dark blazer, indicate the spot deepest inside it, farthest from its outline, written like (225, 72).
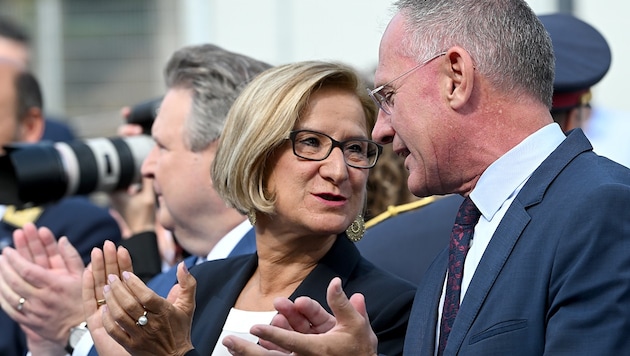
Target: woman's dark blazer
(388, 298)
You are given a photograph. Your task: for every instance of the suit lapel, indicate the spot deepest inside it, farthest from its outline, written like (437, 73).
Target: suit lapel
(420, 337)
(162, 283)
(217, 296)
(340, 261)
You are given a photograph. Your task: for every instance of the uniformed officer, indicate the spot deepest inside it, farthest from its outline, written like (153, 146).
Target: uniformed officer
(583, 58)
(405, 239)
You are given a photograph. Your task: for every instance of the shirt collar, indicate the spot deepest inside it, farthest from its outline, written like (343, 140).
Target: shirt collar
(505, 176)
(223, 248)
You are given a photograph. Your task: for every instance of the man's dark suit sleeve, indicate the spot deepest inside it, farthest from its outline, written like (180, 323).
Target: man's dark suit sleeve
(85, 224)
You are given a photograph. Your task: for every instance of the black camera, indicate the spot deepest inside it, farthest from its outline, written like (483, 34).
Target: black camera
(144, 114)
(45, 172)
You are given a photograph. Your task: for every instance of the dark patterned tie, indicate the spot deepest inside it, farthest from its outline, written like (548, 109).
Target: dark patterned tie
(467, 217)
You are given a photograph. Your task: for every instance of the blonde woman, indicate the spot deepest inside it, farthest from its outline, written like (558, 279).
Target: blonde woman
(294, 156)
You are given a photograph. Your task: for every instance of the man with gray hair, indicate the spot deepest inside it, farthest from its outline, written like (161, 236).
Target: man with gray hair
(202, 83)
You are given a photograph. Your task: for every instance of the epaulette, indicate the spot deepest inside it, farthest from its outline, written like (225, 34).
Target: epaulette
(394, 210)
(18, 218)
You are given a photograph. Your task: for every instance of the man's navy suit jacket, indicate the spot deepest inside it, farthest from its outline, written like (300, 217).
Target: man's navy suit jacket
(555, 277)
(86, 226)
(388, 298)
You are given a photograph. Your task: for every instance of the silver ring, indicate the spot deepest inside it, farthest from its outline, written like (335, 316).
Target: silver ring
(20, 305)
(142, 320)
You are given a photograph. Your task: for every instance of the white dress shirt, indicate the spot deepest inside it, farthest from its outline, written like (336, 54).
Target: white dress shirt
(238, 324)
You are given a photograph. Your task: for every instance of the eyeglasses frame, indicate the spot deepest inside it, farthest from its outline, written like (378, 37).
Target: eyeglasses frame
(372, 92)
(293, 134)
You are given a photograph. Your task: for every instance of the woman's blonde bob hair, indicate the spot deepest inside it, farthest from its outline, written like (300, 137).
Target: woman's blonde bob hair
(261, 119)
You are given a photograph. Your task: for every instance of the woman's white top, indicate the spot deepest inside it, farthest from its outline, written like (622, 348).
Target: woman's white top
(238, 323)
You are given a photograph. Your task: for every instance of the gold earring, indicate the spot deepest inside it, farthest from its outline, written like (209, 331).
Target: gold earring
(251, 216)
(356, 230)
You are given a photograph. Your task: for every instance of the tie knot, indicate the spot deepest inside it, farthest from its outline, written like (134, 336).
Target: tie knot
(468, 213)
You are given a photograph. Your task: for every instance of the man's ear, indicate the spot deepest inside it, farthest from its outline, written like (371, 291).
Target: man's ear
(461, 75)
(32, 126)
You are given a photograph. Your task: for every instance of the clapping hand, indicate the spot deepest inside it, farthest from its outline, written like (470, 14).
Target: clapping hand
(305, 328)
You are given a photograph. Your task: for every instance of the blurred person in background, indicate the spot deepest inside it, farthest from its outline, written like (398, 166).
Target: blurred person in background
(92, 225)
(202, 81)
(15, 46)
(85, 224)
(583, 58)
(387, 186)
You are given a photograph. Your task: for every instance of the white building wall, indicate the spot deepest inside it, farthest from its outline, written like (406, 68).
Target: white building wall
(281, 31)
(277, 31)
(610, 17)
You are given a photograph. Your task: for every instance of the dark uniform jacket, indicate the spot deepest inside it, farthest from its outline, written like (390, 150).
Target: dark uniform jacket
(407, 243)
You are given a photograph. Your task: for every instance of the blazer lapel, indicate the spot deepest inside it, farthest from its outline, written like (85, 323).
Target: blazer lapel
(420, 337)
(213, 305)
(340, 261)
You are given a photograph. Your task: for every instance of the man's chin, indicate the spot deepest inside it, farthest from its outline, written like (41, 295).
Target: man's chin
(166, 220)
(416, 188)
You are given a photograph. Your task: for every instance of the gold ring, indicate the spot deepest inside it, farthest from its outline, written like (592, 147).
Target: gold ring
(142, 320)
(101, 302)
(21, 302)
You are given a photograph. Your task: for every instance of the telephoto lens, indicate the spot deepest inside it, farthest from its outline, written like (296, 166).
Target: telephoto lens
(45, 172)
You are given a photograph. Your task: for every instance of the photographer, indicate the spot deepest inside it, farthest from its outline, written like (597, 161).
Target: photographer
(85, 224)
(178, 168)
